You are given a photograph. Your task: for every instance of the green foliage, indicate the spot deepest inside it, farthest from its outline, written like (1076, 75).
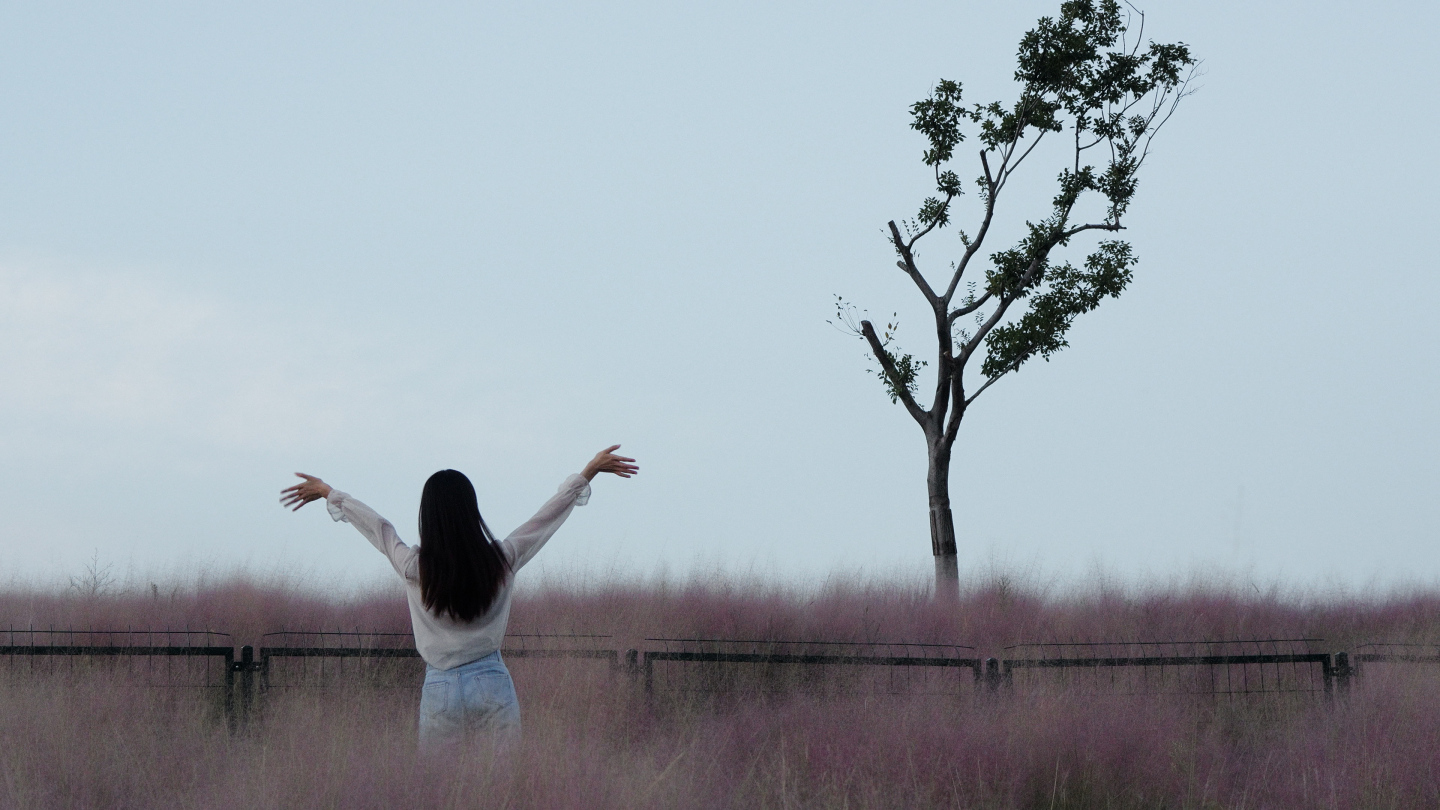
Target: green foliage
(1082, 75)
(1078, 64)
(938, 118)
(906, 366)
(1077, 72)
(1076, 69)
(935, 212)
(1071, 292)
(1000, 126)
(848, 319)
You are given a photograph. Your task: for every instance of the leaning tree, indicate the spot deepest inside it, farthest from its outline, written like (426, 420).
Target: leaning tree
(1086, 81)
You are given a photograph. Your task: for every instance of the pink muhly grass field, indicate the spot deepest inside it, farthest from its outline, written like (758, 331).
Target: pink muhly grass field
(73, 737)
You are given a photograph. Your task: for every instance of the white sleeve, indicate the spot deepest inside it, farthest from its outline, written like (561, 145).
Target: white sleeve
(379, 531)
(523, 543)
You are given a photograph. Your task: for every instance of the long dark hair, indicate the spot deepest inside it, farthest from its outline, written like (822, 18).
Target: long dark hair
(462, 567)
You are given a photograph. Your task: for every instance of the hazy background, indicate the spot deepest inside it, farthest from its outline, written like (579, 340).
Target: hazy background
(371, 242)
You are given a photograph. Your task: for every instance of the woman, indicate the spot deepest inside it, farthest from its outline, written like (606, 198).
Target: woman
(458, 585)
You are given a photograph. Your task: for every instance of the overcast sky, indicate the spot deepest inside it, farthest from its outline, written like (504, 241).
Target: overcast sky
(372, 242)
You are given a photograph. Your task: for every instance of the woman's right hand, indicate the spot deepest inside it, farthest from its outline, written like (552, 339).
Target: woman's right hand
(607, 461)
(311, 489)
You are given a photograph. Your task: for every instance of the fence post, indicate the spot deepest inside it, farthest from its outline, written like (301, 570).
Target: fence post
(229, 699)
(247, 683)
(1343, 672)
(992, 674)
(631, 664)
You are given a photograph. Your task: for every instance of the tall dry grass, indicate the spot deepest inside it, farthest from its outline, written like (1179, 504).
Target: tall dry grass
(591, 740)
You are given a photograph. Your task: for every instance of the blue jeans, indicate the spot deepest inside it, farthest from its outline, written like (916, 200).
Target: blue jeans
(474, 699)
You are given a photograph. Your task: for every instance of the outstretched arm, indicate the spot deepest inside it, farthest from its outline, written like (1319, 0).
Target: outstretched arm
(379, 531)
(525, 542)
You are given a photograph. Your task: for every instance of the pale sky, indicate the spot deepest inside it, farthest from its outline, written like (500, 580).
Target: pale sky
(372, 242)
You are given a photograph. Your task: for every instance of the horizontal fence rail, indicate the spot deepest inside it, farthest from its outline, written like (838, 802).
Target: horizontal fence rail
(1390, 653)
(143, 643)
(772, 655)
(1258, 666)
(320, 659)
(1350, 664)
(178, 658)
(150, 658)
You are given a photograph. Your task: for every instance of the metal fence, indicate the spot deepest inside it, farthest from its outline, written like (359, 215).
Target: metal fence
(710, 665)
(326, 659)
(291, 659)
(1366, 655)
(1392, 653)
(202, 660)
(1260, 666)
(207, 660)
(142, 657)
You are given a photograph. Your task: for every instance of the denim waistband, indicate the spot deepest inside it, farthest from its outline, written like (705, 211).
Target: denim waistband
(493, 661)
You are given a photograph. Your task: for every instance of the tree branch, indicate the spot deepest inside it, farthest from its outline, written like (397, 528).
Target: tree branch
(1106, 226)
(908, 265)
(1140, 35)
(1021, 119)
(952, 426)
(992, 380)
(982, 388)
(1180, 92)
(888, 366)
(933, 225)
(974, 245)
(974, 342)
(969, 308)
(1005, 175)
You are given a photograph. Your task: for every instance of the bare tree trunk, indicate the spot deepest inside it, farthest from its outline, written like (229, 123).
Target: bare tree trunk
(942, 523)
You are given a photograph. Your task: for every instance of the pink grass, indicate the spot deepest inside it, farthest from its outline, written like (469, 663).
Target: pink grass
(592, 741)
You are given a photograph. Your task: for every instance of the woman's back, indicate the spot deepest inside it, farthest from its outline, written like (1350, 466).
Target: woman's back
(443, 640)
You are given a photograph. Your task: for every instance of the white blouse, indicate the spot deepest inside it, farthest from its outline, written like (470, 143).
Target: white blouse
(444, 642)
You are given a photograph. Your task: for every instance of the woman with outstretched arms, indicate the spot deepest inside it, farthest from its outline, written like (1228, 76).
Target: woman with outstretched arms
(458, 584)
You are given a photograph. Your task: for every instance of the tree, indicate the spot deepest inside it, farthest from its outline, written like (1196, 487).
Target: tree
(1078, 74)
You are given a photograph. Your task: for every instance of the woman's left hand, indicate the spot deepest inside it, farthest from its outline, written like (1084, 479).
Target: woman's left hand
(311, 489)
